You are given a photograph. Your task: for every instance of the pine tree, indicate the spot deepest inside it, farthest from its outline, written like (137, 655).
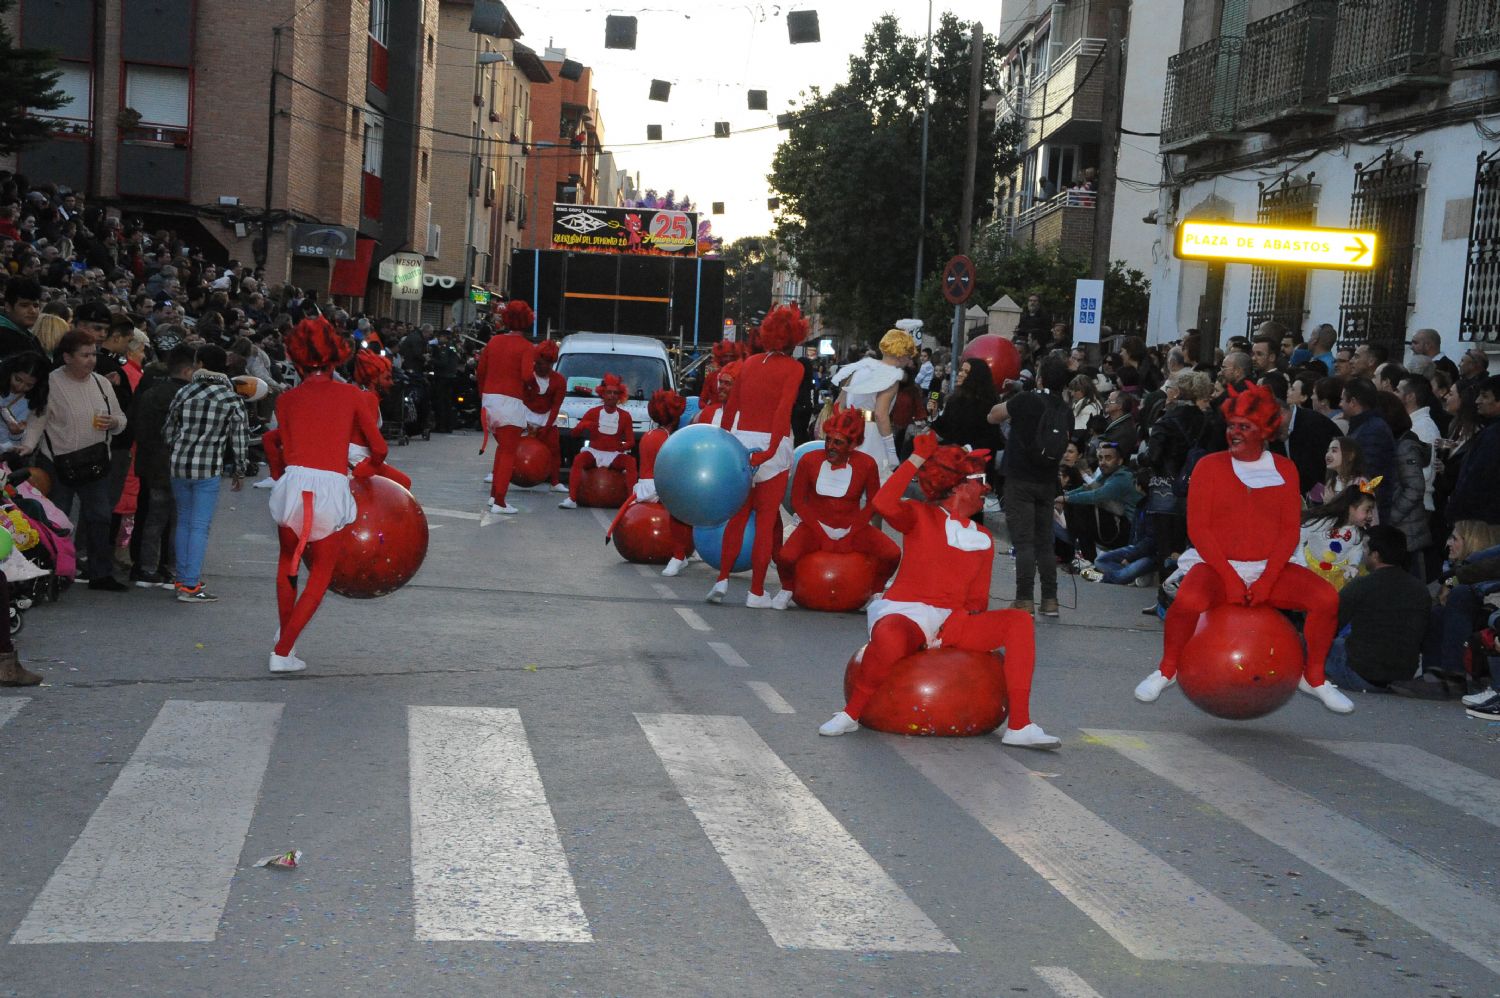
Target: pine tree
(28, 82)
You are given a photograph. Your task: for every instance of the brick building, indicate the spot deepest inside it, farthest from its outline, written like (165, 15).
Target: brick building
(169, 120)
(567, 136)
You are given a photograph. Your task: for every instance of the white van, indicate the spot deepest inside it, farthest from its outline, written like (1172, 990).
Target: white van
(585, 358)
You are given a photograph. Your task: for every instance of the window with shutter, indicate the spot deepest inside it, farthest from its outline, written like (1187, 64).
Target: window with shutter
(159, 94)
(76, 84)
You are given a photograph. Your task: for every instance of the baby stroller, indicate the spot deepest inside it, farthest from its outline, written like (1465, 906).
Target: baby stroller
(398, 411)
(42, 552)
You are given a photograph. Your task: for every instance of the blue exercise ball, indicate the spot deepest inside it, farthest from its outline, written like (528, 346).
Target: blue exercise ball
(702, 475)
(807, 448)
(690, 412)
(709, 543)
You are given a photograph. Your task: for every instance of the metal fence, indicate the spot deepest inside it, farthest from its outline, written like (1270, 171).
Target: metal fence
(1200, 98)
(1375, 302)
(1285, 63)
(1480, 316)
(1382, 42)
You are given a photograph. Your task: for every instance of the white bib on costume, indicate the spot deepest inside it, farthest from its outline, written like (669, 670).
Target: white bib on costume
(754, 441)
(333, 503)
(834, 482)
(1258, 474)
(503, 410)
(542, 381)
(609, 422)
(926, 616)
(965, 538)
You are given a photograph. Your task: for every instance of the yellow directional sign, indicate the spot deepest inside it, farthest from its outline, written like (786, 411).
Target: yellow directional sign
(1275, 245)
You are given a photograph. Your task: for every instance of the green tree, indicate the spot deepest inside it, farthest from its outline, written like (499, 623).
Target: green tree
(848, 173)
(748, 267)
(28, 84)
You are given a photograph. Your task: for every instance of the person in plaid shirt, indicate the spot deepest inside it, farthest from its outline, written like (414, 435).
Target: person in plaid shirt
(206, 416)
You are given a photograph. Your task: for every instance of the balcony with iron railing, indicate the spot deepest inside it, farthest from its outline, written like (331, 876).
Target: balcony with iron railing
(1386, 48)
(1066, 220)
(1067, 104)
(1284, 67)
(1477, 44)
(1198, 107)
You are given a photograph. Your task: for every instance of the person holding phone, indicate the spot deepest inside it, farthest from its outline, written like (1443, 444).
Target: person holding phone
(19, 376)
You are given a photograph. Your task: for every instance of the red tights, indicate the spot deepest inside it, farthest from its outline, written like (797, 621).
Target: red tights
(294, 611)
(866, 540)
(765, 501)
(894, 637)
(1296, 589)
(506, 439)
(585, 461)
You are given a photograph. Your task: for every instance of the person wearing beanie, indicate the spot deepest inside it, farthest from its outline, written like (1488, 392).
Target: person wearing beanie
(871, 385)
(506, 364)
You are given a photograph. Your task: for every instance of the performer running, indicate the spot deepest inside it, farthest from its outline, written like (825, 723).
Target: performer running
(827, 487)
(611, 434)
(724, 380)
(372, 372)
(942, 590)
(506, 364)
(1244, 521)
(759, 414)
(872, 385)
(309, 457)
(544, 398)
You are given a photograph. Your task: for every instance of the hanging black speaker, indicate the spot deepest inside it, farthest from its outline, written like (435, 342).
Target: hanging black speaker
(757, 100)
(802, 27)
(721, 129)
(785, 121)
(619, 32)
(571, 70)
(773, 203)
(718, 207)
(489, 18)
(661, 90)
(653, 133)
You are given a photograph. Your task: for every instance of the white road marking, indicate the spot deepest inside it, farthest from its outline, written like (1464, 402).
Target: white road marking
(648, 571)
(487, 860)
(155, 861)
(605, 519)
(1149, 907)
(1457, 786)
(663, 590)
(1065, 983)
(728, 655)
(808, 881)
(10, 707)
(1349, 852)
(262, 538)
(770, 697)
(454, 514)
(691, 618)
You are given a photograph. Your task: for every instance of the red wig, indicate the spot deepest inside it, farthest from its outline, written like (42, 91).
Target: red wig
(725, 351)
(313, 344)
(846, 422)
(730, 370)
(611, 382)
(783, 329)
(666, 407)
(372, 371)
(946, 469)
(517, 316)
(1257, 405)
(547, 350)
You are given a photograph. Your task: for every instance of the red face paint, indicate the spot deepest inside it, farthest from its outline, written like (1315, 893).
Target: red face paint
(1246, 440)
(967, 499)
(838, 447)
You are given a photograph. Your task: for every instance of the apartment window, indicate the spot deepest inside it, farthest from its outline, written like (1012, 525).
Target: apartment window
(374, 144)
(424, 166)
(77, 85)
(1480, 318)
(159, 94)
(380, 16)
(431, 50)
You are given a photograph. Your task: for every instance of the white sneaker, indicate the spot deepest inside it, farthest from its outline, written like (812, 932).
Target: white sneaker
(489, 479)
(507, 509)
(567, 504)
(673, 567)
(839, 724)
(1092, 575)
(559, 487)
(1148, 689)
(718, 592)
(286, 663)
(1478, 699)
(782, 600)
(761, 602)
(1329, 694)
(265, 483)
(1031, 736)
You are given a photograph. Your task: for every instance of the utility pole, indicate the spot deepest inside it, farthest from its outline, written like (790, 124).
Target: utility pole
(1110, 114)
(916, 291)
(265, 221)
(971, 160)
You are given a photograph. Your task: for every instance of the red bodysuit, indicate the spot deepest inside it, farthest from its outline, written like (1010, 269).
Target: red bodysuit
(506, 365)
(607, 448)
(359, 446)
(836, 522)
(542, 408)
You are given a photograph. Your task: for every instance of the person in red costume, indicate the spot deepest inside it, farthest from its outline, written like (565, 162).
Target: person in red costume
(372, 372)
(611, 434)
(666, 408)
(544, 398)
(506, 364)
(827, 487)
(941, 594)
(759, 414)
(725, 352)
(724, 380)
(1244, 519)
(316, 423)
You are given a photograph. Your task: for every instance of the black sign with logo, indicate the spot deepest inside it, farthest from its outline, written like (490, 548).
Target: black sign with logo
(329, 242)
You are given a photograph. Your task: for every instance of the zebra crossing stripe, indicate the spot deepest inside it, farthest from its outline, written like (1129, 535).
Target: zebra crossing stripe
(808, 881)
(487, 860)
(768, 696)
(155, 861)
(1065, 983)
(1149, 907)
(1358, 857)
(1457, 786)
(10, 707)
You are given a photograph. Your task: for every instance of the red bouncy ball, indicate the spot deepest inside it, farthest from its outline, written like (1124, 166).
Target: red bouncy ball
(602, 487)
(999, 353)
(834, 581)
(533, 463)
(385, 545)
(1242, 662)
(647, 534)
(947, 692)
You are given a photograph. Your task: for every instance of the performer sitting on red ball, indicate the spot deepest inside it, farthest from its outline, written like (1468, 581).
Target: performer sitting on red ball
(611, 435)
(724, 379)
(506, 364)
(309, 457)
(827, 487)
(759, 414)
(1244, 519)
(666, 408)
(544, 395)
(372, 372)
(941, 594)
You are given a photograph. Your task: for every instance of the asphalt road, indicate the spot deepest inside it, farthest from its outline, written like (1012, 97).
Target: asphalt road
(540, 770)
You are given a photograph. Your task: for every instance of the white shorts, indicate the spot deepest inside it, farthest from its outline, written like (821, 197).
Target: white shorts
(779, 462)
(645, 490)
(504, 410)
(603, 458)
(1248, 571)
(357, 453)
(333, 503)
(534, 418)
(926, 616)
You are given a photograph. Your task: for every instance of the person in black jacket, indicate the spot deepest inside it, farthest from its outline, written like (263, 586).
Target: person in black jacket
(152, 541)
(964, 419)
(1304, 437)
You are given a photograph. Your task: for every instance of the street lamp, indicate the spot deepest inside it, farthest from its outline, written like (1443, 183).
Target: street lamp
(466, 302)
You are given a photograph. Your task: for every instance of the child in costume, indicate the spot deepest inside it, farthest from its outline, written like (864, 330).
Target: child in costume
(611, 434)
(1333, 535)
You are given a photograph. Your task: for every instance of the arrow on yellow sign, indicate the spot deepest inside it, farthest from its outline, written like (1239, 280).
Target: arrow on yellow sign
(1276, 245)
